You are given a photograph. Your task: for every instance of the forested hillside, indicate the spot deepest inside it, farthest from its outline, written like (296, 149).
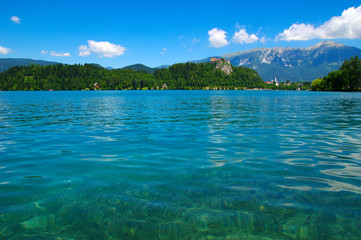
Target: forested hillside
(347, 78)
(6, 63)
(79, 77)
(140, 67)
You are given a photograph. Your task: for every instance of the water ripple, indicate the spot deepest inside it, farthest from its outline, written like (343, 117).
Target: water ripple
(180, 165)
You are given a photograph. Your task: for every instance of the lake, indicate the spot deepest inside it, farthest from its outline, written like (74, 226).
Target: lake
(180, 165)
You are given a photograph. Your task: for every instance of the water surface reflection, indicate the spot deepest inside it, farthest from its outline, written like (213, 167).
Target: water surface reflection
(180, 165)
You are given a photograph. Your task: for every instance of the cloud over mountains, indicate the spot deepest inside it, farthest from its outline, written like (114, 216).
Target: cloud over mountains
(243, 37)
(103, 49)
(346, 26)
(56, 54)
(217, 38)
(4, 50)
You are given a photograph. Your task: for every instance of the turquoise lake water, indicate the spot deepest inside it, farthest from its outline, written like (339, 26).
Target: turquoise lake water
(180, 165)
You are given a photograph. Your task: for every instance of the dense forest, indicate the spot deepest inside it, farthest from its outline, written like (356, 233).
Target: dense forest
(347, 78)
(89, 76)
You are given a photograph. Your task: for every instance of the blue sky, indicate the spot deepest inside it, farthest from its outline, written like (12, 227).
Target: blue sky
(121, 33)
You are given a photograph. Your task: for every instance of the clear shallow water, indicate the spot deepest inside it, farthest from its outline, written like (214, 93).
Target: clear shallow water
(180, 165)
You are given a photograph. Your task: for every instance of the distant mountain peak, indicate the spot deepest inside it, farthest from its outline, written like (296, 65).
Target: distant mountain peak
(140, 67)
(328, 44)
(294, 63)
(6, 63)
(322, 44)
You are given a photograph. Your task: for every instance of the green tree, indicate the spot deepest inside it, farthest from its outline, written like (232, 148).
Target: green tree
(351, 73)
(334, 81)
(347, 78)
(318, 85)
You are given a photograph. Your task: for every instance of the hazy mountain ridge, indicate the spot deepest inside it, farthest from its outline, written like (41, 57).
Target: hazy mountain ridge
(6, 63)
(294, 64)
(140, 67)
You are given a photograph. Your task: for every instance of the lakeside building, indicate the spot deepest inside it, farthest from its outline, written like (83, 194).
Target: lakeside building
(275, 81)
(96, 86)
(219, 60)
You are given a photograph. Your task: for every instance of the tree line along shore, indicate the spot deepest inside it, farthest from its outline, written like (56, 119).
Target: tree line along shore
(347, 78)
(182, 76)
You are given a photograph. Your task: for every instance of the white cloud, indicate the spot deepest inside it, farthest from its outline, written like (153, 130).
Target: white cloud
(104, 49)
(217, 38)
(301, 32)
(52, 53)
(188, 43)
(84, 51)
(4, 50)
(263, 40)
(15, 19)
(243, 37)
(346, 26)
(195, 40)
(55, 54)
(164, 50)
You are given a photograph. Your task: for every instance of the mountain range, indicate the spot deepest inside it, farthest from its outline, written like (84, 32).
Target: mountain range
(293, 64)
(6, 63)
(140, 67)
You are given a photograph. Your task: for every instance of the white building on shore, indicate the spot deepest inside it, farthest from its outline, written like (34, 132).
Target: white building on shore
(275, 81)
